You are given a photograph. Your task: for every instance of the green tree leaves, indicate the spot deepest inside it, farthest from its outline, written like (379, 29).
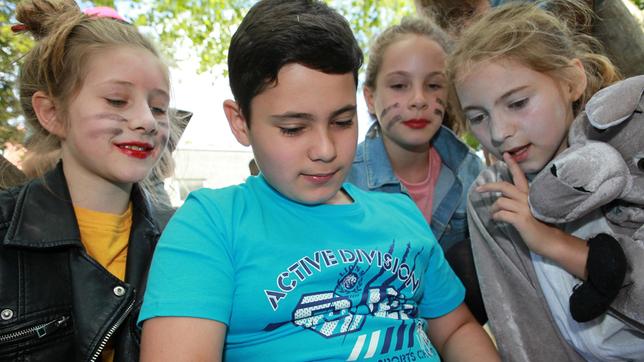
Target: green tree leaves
(197, 30)
(12, 47)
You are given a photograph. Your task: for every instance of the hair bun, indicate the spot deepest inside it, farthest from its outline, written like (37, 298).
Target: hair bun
(41, 16)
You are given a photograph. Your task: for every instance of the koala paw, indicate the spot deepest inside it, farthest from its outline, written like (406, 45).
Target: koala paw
(606, 266)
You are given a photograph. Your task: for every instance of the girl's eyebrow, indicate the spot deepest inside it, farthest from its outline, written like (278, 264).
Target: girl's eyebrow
(160, 92)
(397, 72)
(435, 73)
(502, 98)
(507, 94)
(155, 91)
(472, 108)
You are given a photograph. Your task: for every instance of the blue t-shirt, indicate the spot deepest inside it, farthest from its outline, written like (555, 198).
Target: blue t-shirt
(296, 282)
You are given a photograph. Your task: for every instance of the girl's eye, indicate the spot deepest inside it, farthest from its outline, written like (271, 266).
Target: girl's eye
(476, 119)
(116, 102)
(397, 86)
(159, 111)
(435, 86)
(344, 124)
(518, 104)
(291, 131)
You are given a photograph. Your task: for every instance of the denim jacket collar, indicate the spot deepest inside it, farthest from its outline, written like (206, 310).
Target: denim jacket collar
(373, 171)
(380, 173)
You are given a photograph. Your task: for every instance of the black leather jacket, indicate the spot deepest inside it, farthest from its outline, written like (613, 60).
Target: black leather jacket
(56, 302)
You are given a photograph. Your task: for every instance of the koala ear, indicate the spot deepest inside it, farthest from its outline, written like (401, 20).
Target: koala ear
(616, 103)
(577, 133)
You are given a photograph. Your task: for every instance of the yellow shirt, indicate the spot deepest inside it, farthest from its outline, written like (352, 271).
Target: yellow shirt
(105, 237)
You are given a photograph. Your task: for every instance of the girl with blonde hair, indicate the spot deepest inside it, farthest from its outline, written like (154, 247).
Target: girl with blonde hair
(78, 238)
(518, 77)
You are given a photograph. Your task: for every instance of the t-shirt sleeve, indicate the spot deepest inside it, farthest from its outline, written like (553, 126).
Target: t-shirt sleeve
(443, 289)
(191, 273)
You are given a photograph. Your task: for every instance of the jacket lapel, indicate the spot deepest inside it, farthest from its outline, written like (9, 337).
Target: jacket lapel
(44, 216)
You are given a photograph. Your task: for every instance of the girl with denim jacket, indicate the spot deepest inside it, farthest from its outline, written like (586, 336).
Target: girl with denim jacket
(408, 150)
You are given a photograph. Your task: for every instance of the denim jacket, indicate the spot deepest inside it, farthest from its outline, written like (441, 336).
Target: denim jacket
(372, 171)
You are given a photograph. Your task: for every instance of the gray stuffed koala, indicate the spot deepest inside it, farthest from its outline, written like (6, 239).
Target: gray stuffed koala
(603, 169)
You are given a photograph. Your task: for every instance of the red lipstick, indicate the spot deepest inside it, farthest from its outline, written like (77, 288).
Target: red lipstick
(140, 150)
(416, 123)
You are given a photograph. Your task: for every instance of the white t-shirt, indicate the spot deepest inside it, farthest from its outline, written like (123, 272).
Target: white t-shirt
(602, 339)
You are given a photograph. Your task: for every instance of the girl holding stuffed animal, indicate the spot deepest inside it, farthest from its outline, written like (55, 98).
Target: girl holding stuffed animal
(519, 76)
(76, 241)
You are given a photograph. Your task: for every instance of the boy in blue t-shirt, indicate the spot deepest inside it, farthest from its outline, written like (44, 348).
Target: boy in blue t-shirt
(295, 264)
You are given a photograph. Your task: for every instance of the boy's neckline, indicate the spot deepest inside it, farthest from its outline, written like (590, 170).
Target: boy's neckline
(334, 209)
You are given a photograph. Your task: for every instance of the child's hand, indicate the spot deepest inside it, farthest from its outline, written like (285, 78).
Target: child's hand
(512, 207)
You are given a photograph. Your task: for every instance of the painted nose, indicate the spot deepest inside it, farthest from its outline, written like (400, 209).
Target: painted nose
(501, 128)
(323, 148)
(418, 100)
(142, 118)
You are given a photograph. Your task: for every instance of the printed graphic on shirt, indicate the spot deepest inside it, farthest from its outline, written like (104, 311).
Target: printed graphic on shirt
(305, 267)
(371, 284)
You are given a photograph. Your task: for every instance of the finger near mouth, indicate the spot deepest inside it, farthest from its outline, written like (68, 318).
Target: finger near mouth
(518, 154)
